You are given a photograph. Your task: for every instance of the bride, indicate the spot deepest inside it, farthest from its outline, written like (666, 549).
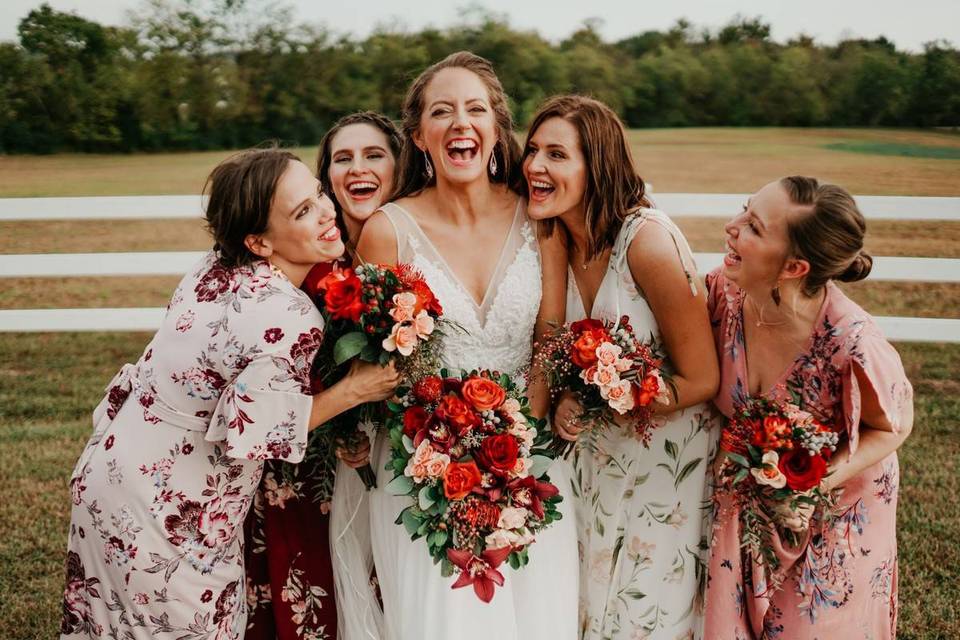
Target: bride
(459, 221)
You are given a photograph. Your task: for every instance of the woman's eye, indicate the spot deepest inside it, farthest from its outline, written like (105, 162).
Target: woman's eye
(341, 159)
(438, 112)
(556, 155)
(375, 156)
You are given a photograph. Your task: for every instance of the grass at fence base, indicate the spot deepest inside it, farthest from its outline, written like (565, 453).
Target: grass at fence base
(49, 383)
(897, 149)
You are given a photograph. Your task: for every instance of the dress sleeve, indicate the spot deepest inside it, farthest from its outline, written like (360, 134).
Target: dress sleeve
(716, 294)
(264, 412)
(879, 363)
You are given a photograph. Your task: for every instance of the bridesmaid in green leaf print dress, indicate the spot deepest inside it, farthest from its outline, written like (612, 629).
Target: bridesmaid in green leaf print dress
(640, 511)
(782, 328)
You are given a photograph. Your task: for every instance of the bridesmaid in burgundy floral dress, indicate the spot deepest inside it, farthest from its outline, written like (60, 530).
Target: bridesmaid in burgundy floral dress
(289, 575)
(781, 325)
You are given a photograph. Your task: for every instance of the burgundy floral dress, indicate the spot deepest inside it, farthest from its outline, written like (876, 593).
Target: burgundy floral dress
(841, 581)
(160, 492)
(289, 587)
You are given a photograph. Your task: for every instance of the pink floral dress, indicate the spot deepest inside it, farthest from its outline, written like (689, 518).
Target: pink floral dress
(841, 582)
(161, 490)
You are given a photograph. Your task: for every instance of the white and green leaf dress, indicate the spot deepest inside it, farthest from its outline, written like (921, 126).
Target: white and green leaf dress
(642, 513)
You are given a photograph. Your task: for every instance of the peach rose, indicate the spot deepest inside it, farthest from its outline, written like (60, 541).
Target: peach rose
(403, 305)
(512, 518)
(608, 353)
(423, 324)
(619, 396)
(402, 338)
(437, 465)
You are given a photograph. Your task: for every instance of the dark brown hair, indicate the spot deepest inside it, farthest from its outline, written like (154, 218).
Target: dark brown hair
(614, 188)
(413, 178)
(828, 233)
(325, 157)
(241, 190)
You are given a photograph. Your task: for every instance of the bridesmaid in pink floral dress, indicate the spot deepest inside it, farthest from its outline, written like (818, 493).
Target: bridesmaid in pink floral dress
(782, 325)
(161, 490)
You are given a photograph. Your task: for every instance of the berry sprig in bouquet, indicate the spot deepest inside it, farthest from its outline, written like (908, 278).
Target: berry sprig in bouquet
(374, 313)
(612, 373)
(776, 457)
(473, 462)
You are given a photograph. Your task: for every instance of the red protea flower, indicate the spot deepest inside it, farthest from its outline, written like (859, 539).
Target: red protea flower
(480, 572)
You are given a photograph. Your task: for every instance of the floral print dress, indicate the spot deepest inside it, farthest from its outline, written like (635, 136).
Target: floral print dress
(841, 581)
(641, 509)
(155, 547)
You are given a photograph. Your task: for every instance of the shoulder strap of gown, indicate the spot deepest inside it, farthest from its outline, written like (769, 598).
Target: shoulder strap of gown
(634, 222)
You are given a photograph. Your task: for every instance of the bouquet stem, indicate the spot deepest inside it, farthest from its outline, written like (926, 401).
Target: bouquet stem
(368, 476)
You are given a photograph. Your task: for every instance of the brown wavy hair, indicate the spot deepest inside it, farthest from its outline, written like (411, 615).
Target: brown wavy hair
(828, 234)
(241, 190)
(325, 157)
(412, 176)
(614, 188)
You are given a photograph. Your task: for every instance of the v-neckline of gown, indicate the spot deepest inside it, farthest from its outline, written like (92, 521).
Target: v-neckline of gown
(478, 306)
(808, 343)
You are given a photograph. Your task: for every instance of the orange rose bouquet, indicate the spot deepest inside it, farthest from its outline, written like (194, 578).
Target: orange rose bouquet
(612, 373)
(377, 314)
(473, 462)
(776, 456)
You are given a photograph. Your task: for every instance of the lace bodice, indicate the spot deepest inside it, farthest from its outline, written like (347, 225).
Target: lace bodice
(498, 333)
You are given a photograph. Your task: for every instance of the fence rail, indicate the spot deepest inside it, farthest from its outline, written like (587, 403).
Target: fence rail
(711, 205)
(175, 263)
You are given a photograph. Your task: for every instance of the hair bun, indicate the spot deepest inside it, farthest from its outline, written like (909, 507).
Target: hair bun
(858, 269)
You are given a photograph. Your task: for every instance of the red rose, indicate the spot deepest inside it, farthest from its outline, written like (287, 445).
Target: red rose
(414, 419)
(343, 296)
(590, 334)
(459, 479)
(457, 414)
(802, 470)
(425, 299)
(498, 454)
(484, 394)
(428, 389)
(312, 284)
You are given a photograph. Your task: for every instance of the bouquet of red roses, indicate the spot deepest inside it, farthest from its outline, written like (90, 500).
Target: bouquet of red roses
(776, 456)
(473, 462)
(377, 314)
(612, 373)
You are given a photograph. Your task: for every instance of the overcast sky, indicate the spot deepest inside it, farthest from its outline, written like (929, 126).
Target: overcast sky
(908, 24)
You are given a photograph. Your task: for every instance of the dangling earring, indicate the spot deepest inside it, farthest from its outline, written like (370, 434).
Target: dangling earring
(775, 294)
(429, 167)
(493, 163)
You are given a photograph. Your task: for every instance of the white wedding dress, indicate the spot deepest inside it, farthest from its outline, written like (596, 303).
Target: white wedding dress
(540, 601)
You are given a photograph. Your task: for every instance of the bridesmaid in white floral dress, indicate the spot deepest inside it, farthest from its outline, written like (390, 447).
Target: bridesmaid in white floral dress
(641, 511)
(161, 490)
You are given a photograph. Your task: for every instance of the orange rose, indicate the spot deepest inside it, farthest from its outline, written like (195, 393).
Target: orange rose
(484, 394)
(459, 479)
(591, 335)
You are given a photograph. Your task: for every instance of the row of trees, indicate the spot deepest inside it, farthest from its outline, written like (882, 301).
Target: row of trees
(197, 74)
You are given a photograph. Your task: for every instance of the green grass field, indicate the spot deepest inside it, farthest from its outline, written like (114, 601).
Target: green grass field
(49, 383)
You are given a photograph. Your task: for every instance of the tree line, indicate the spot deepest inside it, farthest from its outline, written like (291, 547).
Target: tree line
(205, 74)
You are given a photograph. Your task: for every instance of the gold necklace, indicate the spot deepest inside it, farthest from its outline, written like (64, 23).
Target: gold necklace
(758, 310)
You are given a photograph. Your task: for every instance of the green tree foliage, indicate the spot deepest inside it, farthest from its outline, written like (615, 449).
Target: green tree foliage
(200, 74)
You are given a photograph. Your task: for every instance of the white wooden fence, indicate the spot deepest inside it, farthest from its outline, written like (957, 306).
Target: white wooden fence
(894, 269)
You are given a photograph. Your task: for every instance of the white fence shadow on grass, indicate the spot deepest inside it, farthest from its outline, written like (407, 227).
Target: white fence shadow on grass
(892, 269)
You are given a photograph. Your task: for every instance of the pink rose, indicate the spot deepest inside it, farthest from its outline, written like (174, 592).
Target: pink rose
(619, 396)
(423, 324)
(403, 307)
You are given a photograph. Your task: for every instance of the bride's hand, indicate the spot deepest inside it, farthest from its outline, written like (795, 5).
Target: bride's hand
(566, 417)
(355, 454)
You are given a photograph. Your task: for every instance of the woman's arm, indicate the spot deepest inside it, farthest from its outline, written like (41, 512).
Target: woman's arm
(682, 317)
(378, 240)
(366, 382)
(553, 309)
(878, 437)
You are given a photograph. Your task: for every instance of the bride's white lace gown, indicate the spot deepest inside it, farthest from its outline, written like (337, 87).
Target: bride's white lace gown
(540, 600)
